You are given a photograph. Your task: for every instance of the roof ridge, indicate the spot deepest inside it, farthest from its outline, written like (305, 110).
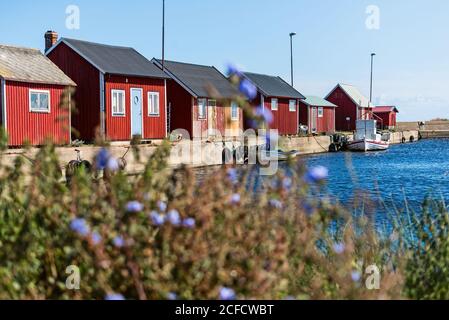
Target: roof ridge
(19, 47)
(186, 63)
(262, 74)
(98, 44)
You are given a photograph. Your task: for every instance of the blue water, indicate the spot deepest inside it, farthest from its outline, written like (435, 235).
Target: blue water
(405, 171)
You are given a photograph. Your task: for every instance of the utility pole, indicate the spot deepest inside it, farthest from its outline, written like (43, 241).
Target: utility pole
(163, 35)
(291, 54)
(371, 84)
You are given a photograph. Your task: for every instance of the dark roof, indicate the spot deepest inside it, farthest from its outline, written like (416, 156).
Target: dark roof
(382, 109)
(30, 65)
(114, 59)
(272, 86)
(197, 79)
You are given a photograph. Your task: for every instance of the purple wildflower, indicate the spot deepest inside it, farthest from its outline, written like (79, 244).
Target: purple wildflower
(102, 158)
(119, 242)
(233, 70)
(189, 223)
(235, 198)
(114, 297)
(233, 175)
(96, 238)
(172, 296)
(80, 226)
(265, 114)
(112, 164)
(316, 174)
(248, 89)
(356, 276)
(287, 183)
(162, 206)
(134, 206)
(227, 294)
(275, 203)
(174, 218)
(339, 248)
(157, 218)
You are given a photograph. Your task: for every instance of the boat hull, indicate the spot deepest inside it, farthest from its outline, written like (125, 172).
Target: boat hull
(368, 145)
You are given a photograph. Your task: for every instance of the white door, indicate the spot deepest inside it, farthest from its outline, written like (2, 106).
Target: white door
(136, 113)
(212, 117)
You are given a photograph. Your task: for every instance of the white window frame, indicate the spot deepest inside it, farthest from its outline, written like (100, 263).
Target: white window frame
(118, 91)
(290, 105)
(235, 117)
(35, 91)
(320, 112)
(152, 94)
(273, 108)
(204, 116)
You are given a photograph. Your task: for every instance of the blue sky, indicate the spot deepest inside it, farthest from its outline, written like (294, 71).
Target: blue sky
(333, 43)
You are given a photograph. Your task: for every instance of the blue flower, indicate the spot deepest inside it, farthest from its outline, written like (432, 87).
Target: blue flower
(162, 206)
(227, 294)
(287, 183)
(112, 164)
(275, 203)
(96, 238)
(316, 174)
(102, 158)
(233, 70)
(339, 248)
(174, 218)
(80, 226)
(172, 296)
(356, 276)
(189, 223)
(134, 206)
(235, 198)
(157, 218)
(248, 89)
(119, 242)
(114, 297)
(265, 114)
(233, 175)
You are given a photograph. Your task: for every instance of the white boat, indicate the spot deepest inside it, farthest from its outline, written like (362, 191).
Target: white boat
(366, 138)
(279, 155)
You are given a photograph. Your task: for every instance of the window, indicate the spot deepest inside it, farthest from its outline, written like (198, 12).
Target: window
(234, 111)
(274, 104)
(292, 106)
(202, 109)
(39, 101)
(118, 103)
(320, 112)
(153, 104)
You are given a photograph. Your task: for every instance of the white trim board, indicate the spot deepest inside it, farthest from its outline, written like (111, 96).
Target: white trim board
(4, 104)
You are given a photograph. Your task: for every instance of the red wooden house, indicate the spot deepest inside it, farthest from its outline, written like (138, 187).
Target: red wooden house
(352, 106)
(317, 114)
(200, 101)
(30, 98)
(386, 116)
(280, 98)
(120, 93)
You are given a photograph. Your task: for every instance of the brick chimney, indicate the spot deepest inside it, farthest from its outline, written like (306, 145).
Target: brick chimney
(51, 37)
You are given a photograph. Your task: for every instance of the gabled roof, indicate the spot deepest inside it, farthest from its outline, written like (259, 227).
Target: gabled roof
(356, 96)
(113, 59)
(196, 79)
(271, 86)
(315, 101)
(30, 65)
(381, 109)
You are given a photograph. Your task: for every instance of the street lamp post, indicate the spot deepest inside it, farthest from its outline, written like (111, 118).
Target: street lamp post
(291, 53)
(371, 83)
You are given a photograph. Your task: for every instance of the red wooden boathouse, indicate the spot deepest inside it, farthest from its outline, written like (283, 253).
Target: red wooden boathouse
(30, 98)
(200, 100)
(352, 106)
(120, 93)
(317, 114)
(280, 98)
(386, 116)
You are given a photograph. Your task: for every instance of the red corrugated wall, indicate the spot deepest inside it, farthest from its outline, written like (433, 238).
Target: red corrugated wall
(119, 128)
(346, 108)
(388, 118)
(181, 107)
(87, 96)
(327, 122)
(285, 120)
(23, 125)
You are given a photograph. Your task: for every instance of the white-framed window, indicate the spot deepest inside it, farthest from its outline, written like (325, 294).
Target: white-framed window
(202, 109)
(292, 104)
(274, 104)
(153, 104)
(320, 112)
(40, 101)
(234, 111)
(118, 103)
